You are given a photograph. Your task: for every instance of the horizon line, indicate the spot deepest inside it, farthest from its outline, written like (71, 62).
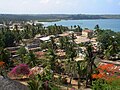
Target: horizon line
(54, 14)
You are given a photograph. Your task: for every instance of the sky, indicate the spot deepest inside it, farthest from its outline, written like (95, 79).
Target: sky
(59, 6)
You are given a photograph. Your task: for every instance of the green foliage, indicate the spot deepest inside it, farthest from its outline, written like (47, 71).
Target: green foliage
(54, 29)
(109, 43)
(97, 27)
(43, 82)
(2, 44)
(52, 58)
(5, 56)
(90, 57)
(31, 59)
(64, 42)
(70, 51)
(36, 83)
(22, 52)
(78, 29)
(8, 38)
(104, 38)
(101, 84)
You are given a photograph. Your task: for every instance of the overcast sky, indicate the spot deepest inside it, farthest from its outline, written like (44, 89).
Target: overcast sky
(60, 6)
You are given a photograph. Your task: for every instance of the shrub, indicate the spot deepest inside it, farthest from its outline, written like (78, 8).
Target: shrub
(20, 70)
(101, 84)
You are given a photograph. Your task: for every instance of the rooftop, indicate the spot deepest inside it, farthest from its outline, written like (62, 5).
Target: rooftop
(87, 30)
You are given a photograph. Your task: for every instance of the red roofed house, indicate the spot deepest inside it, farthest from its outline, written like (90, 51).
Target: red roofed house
(87, 33)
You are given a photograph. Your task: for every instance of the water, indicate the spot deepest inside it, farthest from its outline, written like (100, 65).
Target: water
(113, 24)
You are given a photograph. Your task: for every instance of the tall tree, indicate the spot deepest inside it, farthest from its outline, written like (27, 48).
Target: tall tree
(5, 56)
(31, 59)
(52, 58)
(22, 52)
(90, 64)
(8, 39)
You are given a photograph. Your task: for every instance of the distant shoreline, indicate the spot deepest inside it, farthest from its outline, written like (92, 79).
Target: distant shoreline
(49, 20)
(53, 17)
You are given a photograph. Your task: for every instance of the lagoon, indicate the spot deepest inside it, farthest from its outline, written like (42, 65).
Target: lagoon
(113, 24)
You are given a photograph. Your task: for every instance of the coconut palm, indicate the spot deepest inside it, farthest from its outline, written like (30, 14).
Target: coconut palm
(52, 58)
(22, 52)
(112, 49)
(90, 64)
(5, 56)
(71, 54)
(81, 70)
(79, 29)
(31, 59)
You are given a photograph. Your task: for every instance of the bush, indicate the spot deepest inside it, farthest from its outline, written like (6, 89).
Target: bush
(20, 70)
(101, 84)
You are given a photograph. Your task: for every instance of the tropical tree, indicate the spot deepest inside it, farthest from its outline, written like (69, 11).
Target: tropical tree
(5, 57)
(18, 36)
(90, 64)
(97, 27)
(64, 42)
(112, 49)
(79, 29)
(2, 44)
(22, 52)
(70, 69)
(71, 54)
(52, 58)
(31, 59)
(81, 71)
(53, 44)
(97, 30)
(8, 38)
(109, 43)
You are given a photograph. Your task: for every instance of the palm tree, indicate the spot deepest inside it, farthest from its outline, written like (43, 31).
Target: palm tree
(97, 27)
(53, 44)
(75, 26)
(70, 69)
(79, 29)
(5, 57)
(113, 48)
(31, 59)
(90, 64)
(22, 52)
(71, 54)
(71, 27)
(61, 40)
(52, 58)
(81, 70)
